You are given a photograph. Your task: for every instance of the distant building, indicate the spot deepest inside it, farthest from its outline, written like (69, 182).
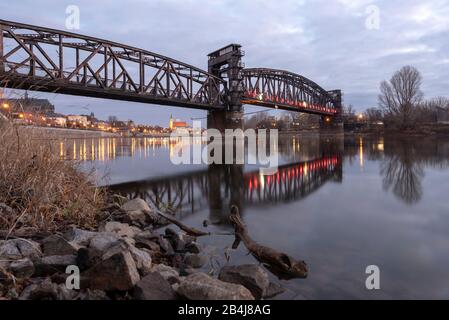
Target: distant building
(177, 124)
(78, 120)
(27, 104)
(57, 121)
(118, 124)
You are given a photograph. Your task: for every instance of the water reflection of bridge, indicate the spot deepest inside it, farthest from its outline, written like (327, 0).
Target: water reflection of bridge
(222, 185)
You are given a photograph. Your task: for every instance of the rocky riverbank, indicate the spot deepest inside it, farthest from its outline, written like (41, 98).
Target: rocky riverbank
(126, 258)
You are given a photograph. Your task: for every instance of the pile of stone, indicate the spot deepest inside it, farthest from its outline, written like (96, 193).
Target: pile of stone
(125, 259)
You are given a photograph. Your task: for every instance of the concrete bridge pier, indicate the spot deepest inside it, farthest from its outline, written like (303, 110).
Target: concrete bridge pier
(224, 119)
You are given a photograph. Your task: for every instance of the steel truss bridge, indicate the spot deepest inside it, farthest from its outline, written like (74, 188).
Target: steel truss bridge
(48, 60)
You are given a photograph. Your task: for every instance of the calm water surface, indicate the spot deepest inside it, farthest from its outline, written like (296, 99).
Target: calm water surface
(340, 205)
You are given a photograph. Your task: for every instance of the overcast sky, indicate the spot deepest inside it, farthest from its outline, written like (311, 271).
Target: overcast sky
(338, 44)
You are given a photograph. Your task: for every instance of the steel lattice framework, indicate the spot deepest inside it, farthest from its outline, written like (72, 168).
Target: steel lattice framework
(288, 91)
(43, 59)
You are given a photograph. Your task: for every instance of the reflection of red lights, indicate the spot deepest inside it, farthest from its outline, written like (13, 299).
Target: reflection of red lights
(307, 168)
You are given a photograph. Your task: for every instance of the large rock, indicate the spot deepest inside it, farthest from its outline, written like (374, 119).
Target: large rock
(103, 241)
(168, 273)
(137, 204)
(115, 271)
(142, 260)
(121, 229)
(200, 286)
(147, 235)
(175, 240)
(195, 260)
(193, 247)
(98, 245)
(58, 245)
(138, 212)
(86, 258)
(148, 240)
(22, 268)
(166, 246)
(49, 265)
(79, 237)
(15, 249)
(153, 287)
(251, 276)
(46, 290)
(137, 218)
(273, 290)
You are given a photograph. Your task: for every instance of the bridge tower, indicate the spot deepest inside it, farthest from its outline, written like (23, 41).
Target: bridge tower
(226, 63)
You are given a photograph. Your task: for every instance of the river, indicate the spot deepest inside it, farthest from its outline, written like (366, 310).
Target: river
(338, 204)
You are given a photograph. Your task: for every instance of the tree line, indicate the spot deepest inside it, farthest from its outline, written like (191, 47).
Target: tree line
(401, 102)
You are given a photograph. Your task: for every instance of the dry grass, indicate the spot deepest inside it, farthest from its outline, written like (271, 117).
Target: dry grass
(45, 192)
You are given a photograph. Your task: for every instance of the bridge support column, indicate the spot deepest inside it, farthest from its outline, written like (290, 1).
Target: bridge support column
(223, 119)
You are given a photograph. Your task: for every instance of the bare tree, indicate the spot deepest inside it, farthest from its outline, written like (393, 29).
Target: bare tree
(401, 96)
(348, 110)
(374, 114)
(437, 103)
(430, 110)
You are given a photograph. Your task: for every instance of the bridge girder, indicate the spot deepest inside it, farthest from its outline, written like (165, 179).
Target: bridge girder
(289, 91)
(43, 59)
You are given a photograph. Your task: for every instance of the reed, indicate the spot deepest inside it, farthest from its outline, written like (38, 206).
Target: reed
(45, 191)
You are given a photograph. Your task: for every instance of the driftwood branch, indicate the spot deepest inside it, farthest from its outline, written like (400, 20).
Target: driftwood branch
(279, 263)
(189, 230)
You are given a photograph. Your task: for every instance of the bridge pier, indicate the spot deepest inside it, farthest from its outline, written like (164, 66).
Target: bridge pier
(224, 119)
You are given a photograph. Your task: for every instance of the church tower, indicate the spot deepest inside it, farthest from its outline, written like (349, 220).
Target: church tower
(171, 123)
